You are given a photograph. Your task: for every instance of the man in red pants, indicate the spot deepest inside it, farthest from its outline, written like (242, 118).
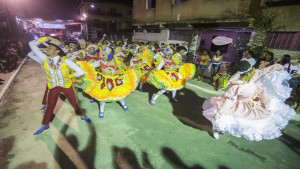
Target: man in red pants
(57, 69)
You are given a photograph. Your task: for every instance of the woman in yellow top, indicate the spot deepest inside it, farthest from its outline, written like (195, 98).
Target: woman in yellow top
(202, 65)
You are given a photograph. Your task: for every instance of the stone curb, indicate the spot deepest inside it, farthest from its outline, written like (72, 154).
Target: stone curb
(4, 90)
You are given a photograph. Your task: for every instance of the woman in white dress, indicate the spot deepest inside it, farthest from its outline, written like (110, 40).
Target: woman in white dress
(253, 107)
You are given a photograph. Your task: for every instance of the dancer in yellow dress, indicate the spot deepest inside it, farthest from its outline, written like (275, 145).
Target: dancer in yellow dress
(172, 78)
(107, 80)
(121, 50)
(143, 63)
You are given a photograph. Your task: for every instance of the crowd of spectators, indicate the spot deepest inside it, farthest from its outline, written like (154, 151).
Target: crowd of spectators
(220, 75)
(9, 53)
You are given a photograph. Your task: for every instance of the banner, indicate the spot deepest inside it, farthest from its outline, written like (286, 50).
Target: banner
(52, 26)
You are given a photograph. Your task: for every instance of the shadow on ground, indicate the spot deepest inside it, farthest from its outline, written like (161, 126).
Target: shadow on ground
(291, 142)
(124, 158)
(147, 88)
(6, 145)
(176, 162)
(63, 158)
(189, 109)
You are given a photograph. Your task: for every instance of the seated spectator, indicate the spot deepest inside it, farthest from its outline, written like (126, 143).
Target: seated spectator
(269, 60)
(249, 57)
(9, 56)
(261, 58)
(240, 50)
(13, 55)
(293, 68)
(285, 59)
(20, 48)
(221, 79)
(2, 62)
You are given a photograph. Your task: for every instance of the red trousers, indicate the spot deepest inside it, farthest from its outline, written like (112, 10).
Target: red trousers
(45, 96)
(52, 97)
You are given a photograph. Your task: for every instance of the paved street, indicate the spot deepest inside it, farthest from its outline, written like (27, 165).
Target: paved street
(164, 136)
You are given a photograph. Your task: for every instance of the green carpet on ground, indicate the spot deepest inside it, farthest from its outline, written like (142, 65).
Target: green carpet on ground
(168, 135)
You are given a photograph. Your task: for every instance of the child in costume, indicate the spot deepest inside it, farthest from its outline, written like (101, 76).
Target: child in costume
(172, 78)
(253, 107)
(57, 69)
(109, 81)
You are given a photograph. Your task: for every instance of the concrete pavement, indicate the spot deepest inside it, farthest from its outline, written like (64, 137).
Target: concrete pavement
(9, 77)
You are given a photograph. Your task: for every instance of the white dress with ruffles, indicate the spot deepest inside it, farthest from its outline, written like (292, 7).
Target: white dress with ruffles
(254, 110)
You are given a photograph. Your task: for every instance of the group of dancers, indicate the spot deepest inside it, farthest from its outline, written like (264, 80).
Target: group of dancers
(253, 106)
(105, 72)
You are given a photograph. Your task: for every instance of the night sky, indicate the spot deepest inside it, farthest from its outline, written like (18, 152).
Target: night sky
(58, 9)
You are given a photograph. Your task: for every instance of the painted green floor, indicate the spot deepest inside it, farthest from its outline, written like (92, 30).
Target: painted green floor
(165, 136)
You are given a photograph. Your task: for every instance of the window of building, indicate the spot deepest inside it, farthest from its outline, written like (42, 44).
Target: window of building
(96, 11)
(139, 30)
(178, 1)
(153, 30)
(284, 40)
(180, 34)
(222, 48)
(151, 4)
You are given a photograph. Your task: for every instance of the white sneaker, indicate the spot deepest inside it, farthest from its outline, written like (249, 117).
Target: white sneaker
(216, 135)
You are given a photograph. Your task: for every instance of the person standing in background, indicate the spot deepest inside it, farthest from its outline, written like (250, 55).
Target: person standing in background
(216, 63)
(201, 68)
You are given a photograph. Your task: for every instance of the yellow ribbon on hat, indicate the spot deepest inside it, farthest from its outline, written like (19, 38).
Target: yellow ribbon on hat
(43, 39)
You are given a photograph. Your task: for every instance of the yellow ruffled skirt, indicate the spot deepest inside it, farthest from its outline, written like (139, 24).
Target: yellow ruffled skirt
(144, 72)
(107, 88)
(172, 80)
